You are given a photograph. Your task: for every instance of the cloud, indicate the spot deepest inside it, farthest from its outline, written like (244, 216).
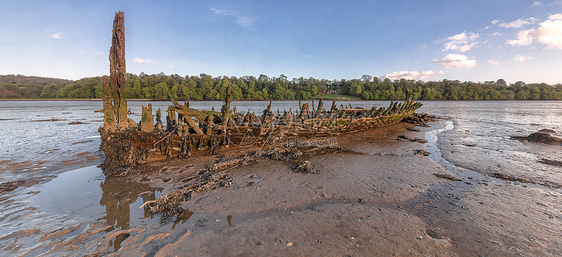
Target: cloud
(245, 21)
(412, 74)
(422, 46)
(458, 37)
(524, 38)
(466, 48)
(522, 58)
(455, 61)
(536, 4)
(219, 11)
(518, 23)
(495, 22)
(557, 16)
(462, 42)
(241, 20)
(548, 33)
(491, 61)
(140, 60)
(57, 35)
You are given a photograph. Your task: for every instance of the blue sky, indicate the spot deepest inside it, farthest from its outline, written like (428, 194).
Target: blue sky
(475, 40)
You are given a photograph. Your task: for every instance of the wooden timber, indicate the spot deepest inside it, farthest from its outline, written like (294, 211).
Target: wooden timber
(189, 131)
(207, 136)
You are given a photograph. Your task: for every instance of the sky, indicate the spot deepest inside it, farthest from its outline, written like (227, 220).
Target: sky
(478, 40)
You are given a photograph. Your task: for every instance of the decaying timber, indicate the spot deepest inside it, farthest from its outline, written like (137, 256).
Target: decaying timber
(190, 132)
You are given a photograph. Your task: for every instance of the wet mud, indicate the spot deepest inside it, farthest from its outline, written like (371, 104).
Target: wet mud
(373, 196)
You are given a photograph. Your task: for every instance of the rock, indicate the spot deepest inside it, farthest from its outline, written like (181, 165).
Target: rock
(77, 123)
(540, 137)
(305, 167)
(551, 162)
(10, 185)
(507, 177)
(422, 152)
(418, 140)
(548, 131)
(446, 176)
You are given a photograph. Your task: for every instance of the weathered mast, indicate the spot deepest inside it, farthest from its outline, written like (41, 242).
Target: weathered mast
(118, 71)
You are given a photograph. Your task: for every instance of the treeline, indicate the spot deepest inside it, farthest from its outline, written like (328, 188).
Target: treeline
(376, 89)
(206, 87)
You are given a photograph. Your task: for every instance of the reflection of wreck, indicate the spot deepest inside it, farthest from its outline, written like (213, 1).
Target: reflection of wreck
(188, 131)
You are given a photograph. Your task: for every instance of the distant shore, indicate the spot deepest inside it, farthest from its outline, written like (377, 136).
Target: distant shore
(167, 100)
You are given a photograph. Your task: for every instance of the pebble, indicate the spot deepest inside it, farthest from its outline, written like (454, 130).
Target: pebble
(289, 244)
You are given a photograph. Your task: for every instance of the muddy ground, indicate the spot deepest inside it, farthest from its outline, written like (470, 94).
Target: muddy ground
(376, 197)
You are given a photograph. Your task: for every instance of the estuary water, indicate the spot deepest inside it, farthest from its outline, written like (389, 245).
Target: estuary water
(52, 147)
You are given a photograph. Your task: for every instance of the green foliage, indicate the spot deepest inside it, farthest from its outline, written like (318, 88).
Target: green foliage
(19, 86)
(206, 87)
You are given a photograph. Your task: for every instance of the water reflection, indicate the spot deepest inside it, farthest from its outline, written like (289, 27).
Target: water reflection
(76, 194)
(119, 196)
(57, 211)
(182, 218)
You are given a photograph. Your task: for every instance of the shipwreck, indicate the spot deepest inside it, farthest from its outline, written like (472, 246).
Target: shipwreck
(189, 132)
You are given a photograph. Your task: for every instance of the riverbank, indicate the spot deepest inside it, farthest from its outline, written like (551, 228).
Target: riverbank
(350, 207)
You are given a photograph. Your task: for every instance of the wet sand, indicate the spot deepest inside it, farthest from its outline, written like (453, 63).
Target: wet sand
(377, 197)
(348, 208)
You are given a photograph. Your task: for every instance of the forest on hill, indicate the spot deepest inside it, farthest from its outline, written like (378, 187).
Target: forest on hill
(206, 87)
(19, 86)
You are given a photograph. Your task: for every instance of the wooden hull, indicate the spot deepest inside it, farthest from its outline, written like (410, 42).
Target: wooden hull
(131, 147)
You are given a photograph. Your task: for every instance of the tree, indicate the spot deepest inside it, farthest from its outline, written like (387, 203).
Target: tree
(356, 89)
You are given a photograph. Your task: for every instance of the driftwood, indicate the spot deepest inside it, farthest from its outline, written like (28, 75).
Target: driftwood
(169, 204)
(169, 134)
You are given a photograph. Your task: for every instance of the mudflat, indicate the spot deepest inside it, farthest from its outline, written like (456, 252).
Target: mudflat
(376, 196)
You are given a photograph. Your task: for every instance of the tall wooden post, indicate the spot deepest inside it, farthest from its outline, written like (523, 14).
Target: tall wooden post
(118, 71)
(225, 110)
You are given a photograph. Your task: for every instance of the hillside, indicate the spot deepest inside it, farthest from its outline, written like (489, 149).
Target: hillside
(19, 86)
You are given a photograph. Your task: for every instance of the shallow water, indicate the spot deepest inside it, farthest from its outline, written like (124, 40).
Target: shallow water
(480, 139)
(67, 205)
(41, 140)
